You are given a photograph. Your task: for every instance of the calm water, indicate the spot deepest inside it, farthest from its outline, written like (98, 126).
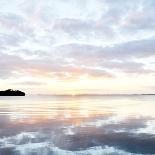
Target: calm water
(98, 125)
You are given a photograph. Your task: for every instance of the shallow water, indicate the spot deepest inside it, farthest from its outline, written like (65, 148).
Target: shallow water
(77, 125)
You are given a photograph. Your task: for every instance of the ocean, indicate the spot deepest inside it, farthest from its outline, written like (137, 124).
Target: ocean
(77, 125)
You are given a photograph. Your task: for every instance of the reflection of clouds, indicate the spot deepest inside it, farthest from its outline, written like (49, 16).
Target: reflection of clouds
(7, 151)
(142, 143)
(77, 125)
(102, 121)
(4, 120)
(89, 140)
(37, 110)
(41, 109)
(22, 138)
(69, 130)
(150, 128)
(46, 150)
(127, 125)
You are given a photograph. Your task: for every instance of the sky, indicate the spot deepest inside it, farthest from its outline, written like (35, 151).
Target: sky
(77, 46)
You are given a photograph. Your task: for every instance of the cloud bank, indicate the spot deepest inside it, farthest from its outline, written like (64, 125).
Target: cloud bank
(97, 39)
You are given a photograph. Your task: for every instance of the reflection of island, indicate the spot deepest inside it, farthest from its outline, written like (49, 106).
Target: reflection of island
(11, 92)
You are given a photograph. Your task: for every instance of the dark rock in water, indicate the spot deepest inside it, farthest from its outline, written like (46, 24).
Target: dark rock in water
(11, 92)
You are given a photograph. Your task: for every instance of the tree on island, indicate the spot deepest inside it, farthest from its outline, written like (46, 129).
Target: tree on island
(11, 92)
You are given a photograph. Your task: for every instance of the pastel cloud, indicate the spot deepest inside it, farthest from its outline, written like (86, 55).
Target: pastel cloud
(93, 38)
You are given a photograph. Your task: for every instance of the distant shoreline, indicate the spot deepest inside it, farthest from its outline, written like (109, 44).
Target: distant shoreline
(89, 94)
(11, 92)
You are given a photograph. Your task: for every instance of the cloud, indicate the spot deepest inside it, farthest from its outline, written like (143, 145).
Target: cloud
(128, 50)
(30, 83)
(81, 38)
(74, 60)
(138, 18)
(83, 29)
(15, 65)
(120, 56)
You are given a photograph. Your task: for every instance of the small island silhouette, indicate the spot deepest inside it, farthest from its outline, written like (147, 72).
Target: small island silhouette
(11, 92)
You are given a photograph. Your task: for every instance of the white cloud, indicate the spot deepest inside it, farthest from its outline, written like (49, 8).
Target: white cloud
(66, 39)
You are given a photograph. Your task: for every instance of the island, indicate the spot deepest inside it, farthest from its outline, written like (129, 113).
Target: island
(11, 92)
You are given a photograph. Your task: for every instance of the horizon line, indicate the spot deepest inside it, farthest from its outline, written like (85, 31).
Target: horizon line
(85, 94)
